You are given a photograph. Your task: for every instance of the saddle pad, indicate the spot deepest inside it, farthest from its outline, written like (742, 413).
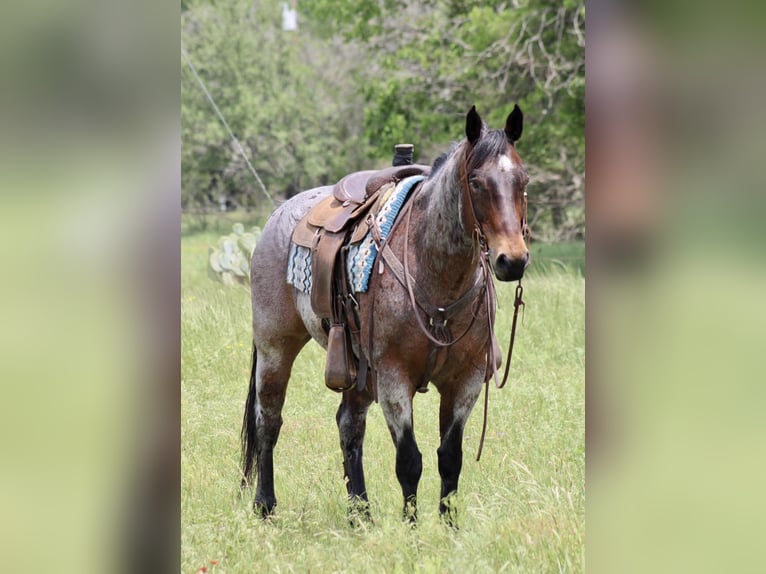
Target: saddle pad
(361, 256)
(299, 267)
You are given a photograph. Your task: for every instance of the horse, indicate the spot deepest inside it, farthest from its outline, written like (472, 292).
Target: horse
(464, 222)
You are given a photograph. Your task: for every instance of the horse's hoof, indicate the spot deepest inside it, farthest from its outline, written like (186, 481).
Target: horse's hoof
(448, 512)
(410, 513)
(264, 509)
(449, 519)
(358, 518)
(358, 521)
(359, 514)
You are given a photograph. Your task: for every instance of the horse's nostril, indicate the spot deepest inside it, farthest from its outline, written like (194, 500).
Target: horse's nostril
(507, 269)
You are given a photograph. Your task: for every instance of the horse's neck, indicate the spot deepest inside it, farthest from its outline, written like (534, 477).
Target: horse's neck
(445, 250)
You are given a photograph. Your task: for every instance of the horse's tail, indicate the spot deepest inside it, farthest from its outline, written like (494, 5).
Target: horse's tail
(249, 427)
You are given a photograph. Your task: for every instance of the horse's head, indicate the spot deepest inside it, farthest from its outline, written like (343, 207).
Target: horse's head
(493, 184)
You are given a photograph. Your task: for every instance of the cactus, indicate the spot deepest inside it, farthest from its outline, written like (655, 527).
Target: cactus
(229, 260)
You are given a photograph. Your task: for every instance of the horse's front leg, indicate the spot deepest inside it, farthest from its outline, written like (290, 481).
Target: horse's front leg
(457, 402)
(395, 397)
(352, 422)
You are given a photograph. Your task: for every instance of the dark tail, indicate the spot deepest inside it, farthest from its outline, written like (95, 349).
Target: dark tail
(249, 427)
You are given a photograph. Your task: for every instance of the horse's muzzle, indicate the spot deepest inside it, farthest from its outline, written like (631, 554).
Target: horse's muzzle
(511, 268)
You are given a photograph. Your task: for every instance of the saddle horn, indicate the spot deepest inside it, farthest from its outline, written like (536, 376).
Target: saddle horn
(403, 154)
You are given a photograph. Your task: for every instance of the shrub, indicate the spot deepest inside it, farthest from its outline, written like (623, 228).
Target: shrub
(230, 259)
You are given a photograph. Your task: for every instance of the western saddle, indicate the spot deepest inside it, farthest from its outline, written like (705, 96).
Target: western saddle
(332, 226)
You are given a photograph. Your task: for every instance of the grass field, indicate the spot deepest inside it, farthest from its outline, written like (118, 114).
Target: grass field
(521, 509)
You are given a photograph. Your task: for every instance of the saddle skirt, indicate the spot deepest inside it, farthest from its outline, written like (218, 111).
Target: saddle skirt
(335, 232)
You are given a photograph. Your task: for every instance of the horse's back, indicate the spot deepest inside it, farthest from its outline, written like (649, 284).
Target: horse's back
(276, 308)
(275, 239)
(272, 298)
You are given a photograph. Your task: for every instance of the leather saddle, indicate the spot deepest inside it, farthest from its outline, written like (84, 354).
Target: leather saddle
(335, 222)
(328, 229)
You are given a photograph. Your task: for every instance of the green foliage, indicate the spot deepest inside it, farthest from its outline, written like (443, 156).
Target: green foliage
(435, 59)
(363, 75)
(286, 98)
(229, 261)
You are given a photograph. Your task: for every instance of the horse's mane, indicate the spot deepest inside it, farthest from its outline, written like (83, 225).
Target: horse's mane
(442, 159)
(491, 144)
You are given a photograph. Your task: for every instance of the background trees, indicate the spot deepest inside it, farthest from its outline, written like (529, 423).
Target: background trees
(359, 76)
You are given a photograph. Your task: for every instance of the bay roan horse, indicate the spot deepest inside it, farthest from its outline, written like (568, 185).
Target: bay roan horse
(466, 218)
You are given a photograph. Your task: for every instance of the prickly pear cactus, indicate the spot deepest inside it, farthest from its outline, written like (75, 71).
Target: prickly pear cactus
(230, 258)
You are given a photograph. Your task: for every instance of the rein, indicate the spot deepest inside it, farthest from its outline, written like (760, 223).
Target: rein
(491, 298)
(438, 334)
(517, 302)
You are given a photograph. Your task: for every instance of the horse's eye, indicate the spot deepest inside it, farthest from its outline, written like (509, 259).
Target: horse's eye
(476, 185)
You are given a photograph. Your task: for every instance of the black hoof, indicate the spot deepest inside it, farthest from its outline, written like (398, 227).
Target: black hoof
(410, 513)
(448, 512)
(449, 519)
(359, 513)
(264, 509)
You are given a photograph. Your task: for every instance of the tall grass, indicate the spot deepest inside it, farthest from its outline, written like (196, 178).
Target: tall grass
(521, 509)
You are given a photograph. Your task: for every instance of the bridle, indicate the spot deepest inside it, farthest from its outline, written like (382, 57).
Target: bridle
(482, 291)
(468, 216)
(470, 221)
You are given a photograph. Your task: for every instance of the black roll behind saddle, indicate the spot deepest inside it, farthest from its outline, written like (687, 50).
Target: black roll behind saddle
(329, 229)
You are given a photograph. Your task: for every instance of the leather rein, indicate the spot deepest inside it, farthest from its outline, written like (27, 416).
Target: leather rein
(482, 292)
(491, 297)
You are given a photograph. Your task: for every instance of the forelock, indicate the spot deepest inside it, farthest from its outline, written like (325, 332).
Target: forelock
(492, 144)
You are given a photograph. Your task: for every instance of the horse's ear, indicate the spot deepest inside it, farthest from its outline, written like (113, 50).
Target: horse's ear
(473, 125)
(514, 124)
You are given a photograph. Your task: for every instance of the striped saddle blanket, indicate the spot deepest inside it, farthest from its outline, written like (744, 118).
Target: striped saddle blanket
(360, 256)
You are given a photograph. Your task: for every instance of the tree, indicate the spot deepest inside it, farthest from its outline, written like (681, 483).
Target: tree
(363, 75)
(436, 59)
(284, 94)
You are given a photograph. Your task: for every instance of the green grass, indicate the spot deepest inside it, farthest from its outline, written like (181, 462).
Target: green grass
(521, 509)
(220, 223)
(566, 257)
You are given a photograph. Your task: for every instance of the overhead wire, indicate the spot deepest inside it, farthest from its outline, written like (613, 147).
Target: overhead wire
(237, 145)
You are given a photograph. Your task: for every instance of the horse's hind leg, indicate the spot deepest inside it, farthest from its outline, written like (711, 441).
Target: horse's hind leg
(263, 415)
(352, 422)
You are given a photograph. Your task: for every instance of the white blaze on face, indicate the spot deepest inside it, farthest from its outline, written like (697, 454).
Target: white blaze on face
(504, 163)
